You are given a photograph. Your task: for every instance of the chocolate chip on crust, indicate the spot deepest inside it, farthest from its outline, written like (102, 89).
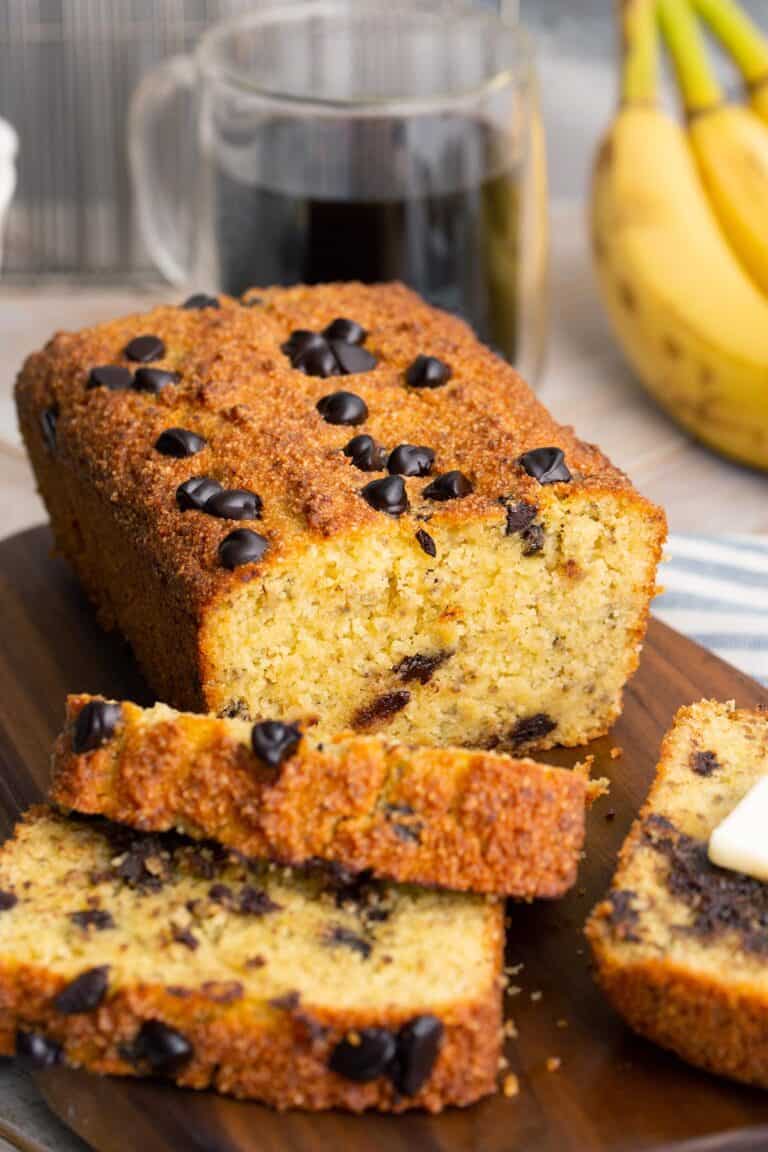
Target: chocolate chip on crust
(451, 485)
(380, 709)
(274, 742)
(547, 465)
(8, 900)
(365, 453)
(427, 372)
(529, 728)
(153, 380)
(84, 993)
(38, 1050)
(97, 918)
(200, 300)
(386, 495)
(363, 1055)
(164, 1049)
(95, 724)
(243, 546)
(347, 330)
(110, 376)
(418, 1046)
(195, 493)
(179, 442)
(144, 349)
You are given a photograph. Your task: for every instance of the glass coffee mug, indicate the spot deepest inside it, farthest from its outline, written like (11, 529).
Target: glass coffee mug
(318, 140)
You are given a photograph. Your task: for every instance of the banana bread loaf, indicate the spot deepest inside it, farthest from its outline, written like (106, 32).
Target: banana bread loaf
(681, 944)
(140, 954)
(334, 503)
(475, 821)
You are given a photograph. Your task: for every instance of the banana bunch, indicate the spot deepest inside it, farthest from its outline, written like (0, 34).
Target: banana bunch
(679, 220)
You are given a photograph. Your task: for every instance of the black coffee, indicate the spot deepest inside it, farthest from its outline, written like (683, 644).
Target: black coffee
(452, 232)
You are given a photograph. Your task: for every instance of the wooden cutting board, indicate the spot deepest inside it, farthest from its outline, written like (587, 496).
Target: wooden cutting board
(612, 1091)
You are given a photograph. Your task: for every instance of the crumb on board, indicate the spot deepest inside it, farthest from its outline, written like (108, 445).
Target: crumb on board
(553, 1063)
(511, 1085)
(616, 753)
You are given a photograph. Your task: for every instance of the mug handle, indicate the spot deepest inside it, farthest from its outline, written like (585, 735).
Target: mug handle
(161, 217)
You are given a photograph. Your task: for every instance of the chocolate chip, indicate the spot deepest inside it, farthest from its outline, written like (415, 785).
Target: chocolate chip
(97, 918)
(95, 724)
(365, 453)
(704, 763)
(201, 300)
(387, 495)
(163, 1048)
(533, 539)
(426, 542)
(450, 486)
(547, 465)
(110, 376)
(222, 894)
(143, 349)
(8, 900)
(317, 360)
(195, 492)
(421, 666)
(339, 936)
(154, 379)
(409, 833)
(255, 902)
(184, 936)
(351, 358)
(300, 341)
(234, 504)
(243, 546)
(418, 1046)
(380, 709)
(623, 916)
(84, 993)
(179, 442)
(519, 516)
(38, 1050)
(410, 460)
(530, 728)
(342, 408)
(363, 1055)
(427, 372)
(48, 421)
(347, 330)
(273, 742)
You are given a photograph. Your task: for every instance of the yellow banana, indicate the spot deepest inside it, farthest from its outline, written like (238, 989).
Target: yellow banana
(746, 43)
(691, 321)
(730, 143)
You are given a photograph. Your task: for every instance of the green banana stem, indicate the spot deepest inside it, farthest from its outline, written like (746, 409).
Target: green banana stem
(698, 84)
(640, 63)
(740, 36)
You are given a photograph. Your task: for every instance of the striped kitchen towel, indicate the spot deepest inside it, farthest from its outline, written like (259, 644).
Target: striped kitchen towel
(716, 592)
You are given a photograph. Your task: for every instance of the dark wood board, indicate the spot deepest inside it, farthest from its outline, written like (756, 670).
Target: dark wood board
(613, 1092)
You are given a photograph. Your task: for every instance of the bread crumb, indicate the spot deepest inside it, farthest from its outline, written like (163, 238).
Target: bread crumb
(553, 1063)
(561, 1023)
(510, 1029)
(616, 753)
(511, 1085)
(513, 990)
(536, 996)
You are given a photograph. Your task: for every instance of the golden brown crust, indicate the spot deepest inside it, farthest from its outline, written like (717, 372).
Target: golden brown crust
(708, 1022)
(471, 821)
(276, 1055)
(153, 569)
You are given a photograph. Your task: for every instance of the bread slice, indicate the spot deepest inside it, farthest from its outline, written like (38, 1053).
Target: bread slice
(493, 593)
(681, 945)
(473, 821)
(135, 954)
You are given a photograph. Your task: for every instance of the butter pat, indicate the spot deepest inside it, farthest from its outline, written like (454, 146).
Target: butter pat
(740, 842)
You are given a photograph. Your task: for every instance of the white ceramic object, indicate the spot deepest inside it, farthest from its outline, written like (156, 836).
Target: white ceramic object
(9, 146)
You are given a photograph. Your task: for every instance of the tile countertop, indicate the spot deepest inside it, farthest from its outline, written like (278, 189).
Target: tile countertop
(586, 383)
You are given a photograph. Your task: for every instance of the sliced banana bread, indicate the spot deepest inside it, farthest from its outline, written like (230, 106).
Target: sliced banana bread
(474, 821)
(334, 502)
(140, 954)
(681, 945)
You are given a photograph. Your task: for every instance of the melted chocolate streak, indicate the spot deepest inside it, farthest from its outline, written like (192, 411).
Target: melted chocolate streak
(721, 901)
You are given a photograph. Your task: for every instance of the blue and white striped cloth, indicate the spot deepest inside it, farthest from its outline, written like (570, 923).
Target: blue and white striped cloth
(716, 593)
